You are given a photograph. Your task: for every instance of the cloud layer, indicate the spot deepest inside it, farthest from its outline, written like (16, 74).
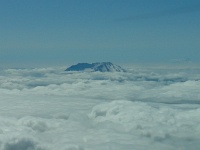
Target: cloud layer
(47, 108)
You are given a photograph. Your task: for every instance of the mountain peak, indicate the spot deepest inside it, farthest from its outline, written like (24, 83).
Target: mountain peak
(98, 66)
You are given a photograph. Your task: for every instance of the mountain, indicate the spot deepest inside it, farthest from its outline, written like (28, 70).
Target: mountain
(99, 66)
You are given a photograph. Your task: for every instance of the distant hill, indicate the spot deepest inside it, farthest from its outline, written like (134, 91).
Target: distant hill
(99, 66)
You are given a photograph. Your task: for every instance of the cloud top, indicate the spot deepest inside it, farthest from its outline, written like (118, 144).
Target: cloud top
(48, 108)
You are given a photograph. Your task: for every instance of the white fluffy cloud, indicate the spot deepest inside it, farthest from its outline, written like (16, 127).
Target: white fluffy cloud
(47, 108)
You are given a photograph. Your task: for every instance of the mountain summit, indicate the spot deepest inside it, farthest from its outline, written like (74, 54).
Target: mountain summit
(99, 66)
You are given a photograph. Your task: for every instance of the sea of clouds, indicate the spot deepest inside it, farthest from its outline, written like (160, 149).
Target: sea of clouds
(150, 108)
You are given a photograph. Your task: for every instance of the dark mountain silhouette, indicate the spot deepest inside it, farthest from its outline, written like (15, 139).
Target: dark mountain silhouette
(99, 66)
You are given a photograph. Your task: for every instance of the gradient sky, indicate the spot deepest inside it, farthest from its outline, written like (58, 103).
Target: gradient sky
(121, 31)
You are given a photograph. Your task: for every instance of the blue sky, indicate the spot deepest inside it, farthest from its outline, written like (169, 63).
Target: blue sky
(122, 31)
